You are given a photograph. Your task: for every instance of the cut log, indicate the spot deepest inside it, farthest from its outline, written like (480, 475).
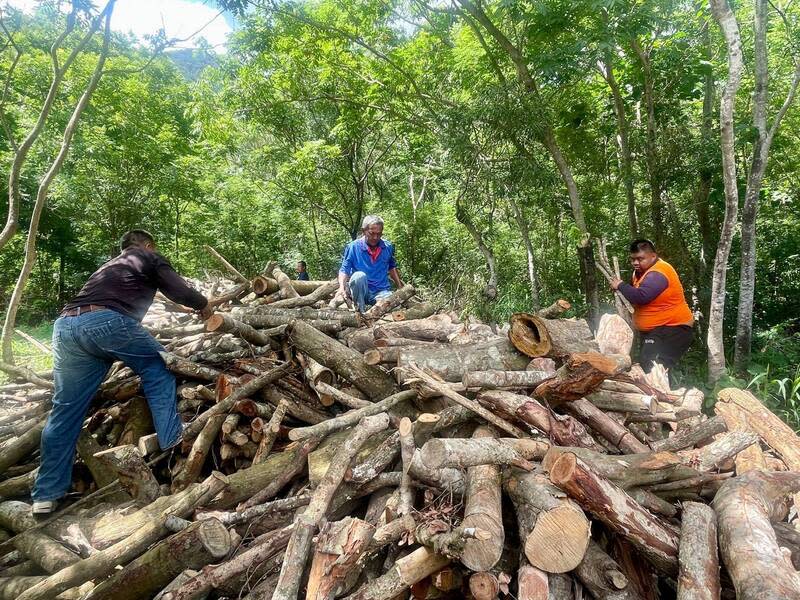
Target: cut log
(452, 362)
(267, 285)
(104, 562)
(271, 433)
(284, 283)
(535, 336)
(338, 548)
(406, 571)
(437, 328)
(624, 403)
(698, 577)
(491, 380)
(200, 450)
(613, 431)
(580, 375)
(418, 311)
(562, 429)
(317, 374)
(603, 577)
(745, 505)
(718, 452)
(691, 437)
(532, 584)
(555, 310)
(20, 447)
(614, 335)
(427, 380)
(306, 523)
(345, 362)
(201, 543)
(321, 293)
(340, 396)
(621, 513)
(484, 586)
(134, 475)
(483, 511)
(463, 453)
(350, 418)
(397, 298)
(345, 317)
(554, 530)
(228, 266)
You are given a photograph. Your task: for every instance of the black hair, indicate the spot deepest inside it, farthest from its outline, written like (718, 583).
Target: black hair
(136, 237)
(302, 263)
(641, 245)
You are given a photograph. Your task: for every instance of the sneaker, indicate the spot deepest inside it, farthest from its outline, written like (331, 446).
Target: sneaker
(44, 507)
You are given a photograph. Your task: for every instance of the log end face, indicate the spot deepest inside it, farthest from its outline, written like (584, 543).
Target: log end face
(215, 322)
(559, 539)
(562, 468)
(529, 335)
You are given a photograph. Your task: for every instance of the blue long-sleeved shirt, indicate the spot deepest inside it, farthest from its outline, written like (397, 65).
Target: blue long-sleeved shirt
(356, 258)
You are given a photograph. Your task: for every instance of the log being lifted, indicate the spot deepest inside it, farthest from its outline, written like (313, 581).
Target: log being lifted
(535, 336)
(745, 507)
(483, 510)
(452, 362)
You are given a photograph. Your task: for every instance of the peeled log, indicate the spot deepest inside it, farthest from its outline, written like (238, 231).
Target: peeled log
(614, 335)
(202, 543)
(656, 541)
(745, 505)
(698, 578)
(452, 362)
(345, 362)
(535, 336)
(553, 528)
(483, 510)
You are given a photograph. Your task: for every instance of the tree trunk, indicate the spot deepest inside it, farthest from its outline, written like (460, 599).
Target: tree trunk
(47, 179)
(339, 547)
(698, 577)
(730, 30)
(535, 336)
(451, 363)
(345, 362)
(603, 577)
(621, 513)
(483, 510)
(524, 230)
(201, 543)
(745, 506)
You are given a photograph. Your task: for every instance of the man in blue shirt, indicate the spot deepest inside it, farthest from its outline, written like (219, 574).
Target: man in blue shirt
(367, 266)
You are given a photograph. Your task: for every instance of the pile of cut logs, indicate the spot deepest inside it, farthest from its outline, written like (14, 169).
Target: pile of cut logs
(401, 453)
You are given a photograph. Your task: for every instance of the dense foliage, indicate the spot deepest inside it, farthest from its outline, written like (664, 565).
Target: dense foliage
(323, 111)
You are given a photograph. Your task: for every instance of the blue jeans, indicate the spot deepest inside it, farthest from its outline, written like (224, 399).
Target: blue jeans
(359, 290)
(84, 347)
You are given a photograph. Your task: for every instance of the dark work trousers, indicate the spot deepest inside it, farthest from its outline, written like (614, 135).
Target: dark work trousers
(665, 345)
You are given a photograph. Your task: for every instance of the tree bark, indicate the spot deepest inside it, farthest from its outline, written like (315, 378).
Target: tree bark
(730, 31)
(535, 336)
(338, 548)
(524, 230)
(483, 510)
(406, 572)
(621, 513)
(464, 453)
(698, 577)
(603, 577)
(745, 506)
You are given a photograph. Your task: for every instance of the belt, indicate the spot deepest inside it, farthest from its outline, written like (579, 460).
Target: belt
(76, 312)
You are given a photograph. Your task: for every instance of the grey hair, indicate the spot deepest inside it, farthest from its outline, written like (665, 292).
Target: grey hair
(371, 220)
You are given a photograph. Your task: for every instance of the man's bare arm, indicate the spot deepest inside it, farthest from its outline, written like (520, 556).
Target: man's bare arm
(394, 275)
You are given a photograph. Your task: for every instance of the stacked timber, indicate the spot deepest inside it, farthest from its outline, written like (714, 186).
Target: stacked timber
(402, 453)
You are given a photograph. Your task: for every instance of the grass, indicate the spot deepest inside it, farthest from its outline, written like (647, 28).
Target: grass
(27, 354)
(781, 394)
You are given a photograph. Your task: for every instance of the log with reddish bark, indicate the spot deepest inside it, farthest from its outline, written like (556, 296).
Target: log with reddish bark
(553, 529)
(745, 507)
(655, 540)
(534, 336)
(339, 547)
(613, 431)
(562, 429)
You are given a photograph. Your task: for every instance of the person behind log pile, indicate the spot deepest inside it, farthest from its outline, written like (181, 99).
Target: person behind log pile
(661, 313)
(302, 274)
(102, 324)
(367, 266)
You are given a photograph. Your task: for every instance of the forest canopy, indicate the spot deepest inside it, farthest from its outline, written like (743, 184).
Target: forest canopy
(497, 140)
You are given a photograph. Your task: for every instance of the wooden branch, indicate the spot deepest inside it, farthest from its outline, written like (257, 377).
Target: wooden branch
(271, 432)
(463, 453)
(307, 522)
(228, 266)
(698, 577)
(397, 298)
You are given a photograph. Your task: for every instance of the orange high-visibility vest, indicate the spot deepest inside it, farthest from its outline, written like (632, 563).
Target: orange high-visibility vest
(669, 307)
